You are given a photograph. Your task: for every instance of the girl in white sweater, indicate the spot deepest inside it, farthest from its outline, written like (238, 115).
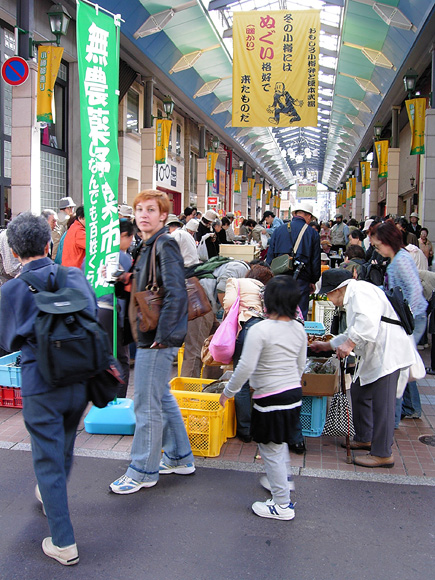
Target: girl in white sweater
(273, 359)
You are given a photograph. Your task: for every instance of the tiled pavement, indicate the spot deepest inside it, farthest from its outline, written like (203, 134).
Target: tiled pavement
(414, 461)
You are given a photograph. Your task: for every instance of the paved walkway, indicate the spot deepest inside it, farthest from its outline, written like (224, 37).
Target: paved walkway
(324, 457)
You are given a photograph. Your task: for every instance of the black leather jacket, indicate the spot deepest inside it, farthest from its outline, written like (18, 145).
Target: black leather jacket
(172, 326)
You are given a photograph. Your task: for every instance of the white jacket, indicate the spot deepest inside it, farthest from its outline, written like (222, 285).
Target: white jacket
(382, 346)
(187, 247)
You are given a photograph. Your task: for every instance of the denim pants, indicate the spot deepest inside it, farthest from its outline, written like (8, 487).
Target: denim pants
(159, 423)
(410, 403)
(51, 420)
(242, 399)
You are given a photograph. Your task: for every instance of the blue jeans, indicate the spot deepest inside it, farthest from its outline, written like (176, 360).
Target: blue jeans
(304, 287)
(159, 423)
(410, 403)
(51, 420)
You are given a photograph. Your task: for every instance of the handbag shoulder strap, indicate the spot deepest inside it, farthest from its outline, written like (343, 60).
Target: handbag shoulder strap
(152, 274)
(299, 238)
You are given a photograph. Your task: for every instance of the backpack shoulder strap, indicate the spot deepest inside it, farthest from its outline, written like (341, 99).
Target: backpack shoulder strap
(61, 275)
(32, 281)
(299, 239)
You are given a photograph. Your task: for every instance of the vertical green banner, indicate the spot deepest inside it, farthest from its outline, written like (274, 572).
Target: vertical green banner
(98, 64)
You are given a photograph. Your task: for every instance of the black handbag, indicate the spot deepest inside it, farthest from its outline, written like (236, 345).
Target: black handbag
(102, 388)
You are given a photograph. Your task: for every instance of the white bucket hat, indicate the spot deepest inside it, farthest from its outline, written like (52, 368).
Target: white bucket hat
(305, 206)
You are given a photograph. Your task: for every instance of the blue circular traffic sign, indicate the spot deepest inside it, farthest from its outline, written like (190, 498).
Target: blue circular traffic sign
(15, 70)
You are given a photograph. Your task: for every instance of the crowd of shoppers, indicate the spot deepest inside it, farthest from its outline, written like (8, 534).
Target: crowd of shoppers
(271, 344)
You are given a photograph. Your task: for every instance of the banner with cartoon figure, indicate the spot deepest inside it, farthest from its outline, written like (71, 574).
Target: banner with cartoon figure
(275, 68)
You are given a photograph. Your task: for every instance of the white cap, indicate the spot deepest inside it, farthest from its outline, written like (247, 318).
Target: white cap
(414, 214)
(125, 210)
(192, 225)
(324, 256)
(305, 206)
(367, 224)
(173, 219)
(210, 215)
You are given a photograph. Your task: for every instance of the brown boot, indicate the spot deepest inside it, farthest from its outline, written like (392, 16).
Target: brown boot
(374, 461)
(359, 445)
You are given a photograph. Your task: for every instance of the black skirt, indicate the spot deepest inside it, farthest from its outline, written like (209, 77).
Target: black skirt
(276, 418)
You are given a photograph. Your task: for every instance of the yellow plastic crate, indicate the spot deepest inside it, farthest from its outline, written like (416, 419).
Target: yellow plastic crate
(188, 385)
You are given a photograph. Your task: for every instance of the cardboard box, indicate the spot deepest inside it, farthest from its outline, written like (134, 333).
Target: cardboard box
(321, 385)
(245, 252)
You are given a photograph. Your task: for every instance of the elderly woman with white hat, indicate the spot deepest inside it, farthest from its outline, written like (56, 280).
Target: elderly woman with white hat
(205, 228)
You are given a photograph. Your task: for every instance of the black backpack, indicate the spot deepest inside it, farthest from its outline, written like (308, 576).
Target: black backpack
(373, 273)
(402, 309)
(71, 345)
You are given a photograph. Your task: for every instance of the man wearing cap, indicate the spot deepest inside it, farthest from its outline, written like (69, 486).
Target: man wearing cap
(184, 240)
(384, 349)
(66, 210)
(308, 253)
(414, 227)
(339, 234)
(125, 211)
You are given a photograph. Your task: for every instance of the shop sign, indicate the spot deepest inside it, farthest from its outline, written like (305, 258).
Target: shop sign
(166, 175)
(212, 200)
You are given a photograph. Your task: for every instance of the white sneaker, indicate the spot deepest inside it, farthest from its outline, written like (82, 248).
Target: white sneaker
(67, 556)
(266, 483)
(185, 469)
(125, 485)
(272, 510)
(39, 498)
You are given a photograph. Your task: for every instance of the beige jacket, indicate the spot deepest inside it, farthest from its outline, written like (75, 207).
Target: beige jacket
(249, 297)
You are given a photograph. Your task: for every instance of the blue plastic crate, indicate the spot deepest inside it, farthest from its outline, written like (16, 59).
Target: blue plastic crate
(313, 416)
(316, 328)
(10, 376)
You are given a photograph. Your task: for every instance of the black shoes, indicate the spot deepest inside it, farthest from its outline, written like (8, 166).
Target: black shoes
(298, 448)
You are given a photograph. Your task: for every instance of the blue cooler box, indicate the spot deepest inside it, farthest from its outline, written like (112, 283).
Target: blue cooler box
(116, 419)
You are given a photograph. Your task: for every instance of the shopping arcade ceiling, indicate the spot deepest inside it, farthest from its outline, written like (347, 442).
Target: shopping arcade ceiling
(364, 49)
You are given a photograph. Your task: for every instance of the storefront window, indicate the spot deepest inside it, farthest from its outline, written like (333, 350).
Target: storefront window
(132, 112)
(178, 142)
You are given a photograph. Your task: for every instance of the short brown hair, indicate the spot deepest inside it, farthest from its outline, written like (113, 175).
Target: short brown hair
(261, 273)
(160, 196)
(387, 233)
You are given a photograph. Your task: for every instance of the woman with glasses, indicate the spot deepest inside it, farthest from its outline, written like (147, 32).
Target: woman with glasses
(402, 271)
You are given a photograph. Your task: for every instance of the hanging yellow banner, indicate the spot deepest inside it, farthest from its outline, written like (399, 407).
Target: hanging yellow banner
(238, 176)
(382, 155)
(211, 165)
(259, 190)
(353, 187)
(278, 202)
(416, 109)
(275, 68)
(49, 58)
(343, 196)
(348, 190)
(268, 196)
(251, 183)
(163, 133)
(365, 175)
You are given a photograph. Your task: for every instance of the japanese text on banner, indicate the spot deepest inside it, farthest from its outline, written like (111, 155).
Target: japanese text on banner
(98, 63)
(275, 68)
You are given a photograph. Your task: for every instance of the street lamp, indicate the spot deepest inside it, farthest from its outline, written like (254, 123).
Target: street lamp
(410, 81)
(215, 142)
(59, 21)
(377, 130)
(363, 152)
(168, 106)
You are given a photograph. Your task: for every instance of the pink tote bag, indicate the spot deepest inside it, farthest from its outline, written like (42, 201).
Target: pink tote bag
(223, 343)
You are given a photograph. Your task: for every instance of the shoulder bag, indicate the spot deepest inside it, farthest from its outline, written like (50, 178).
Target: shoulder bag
(149, 301)
(284, 264)
(223, 343)
(197, 301)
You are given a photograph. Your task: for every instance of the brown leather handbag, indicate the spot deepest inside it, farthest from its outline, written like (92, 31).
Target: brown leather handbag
(197, 301)
(149, 301)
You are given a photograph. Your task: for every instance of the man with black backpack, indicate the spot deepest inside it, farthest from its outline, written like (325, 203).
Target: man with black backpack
(51, 413)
